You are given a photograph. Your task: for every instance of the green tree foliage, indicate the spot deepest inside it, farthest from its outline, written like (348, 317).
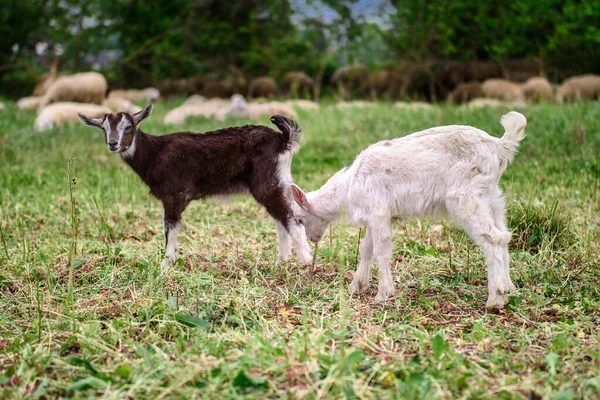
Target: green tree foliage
(501, 30)
(179, 38)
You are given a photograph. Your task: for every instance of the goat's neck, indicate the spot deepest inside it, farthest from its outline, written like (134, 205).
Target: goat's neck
(141, 154)
(329, 200)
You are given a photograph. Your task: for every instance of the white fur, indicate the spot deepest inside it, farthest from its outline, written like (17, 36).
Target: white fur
(60, 113)
(29, 102)
(149, 94)
(172, 245)
(85, 87)
(448, 170)
(206, 109)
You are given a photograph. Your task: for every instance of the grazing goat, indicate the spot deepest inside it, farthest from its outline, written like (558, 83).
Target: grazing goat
(186, 166)
(444, 170)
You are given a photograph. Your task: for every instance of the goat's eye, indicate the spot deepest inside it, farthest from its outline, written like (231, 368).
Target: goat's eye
(300, 220)
(128, 128)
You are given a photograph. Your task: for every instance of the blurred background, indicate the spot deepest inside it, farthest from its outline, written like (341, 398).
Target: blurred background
(419, 50)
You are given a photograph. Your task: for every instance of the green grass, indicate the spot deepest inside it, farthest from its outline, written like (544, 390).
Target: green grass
(86, 309)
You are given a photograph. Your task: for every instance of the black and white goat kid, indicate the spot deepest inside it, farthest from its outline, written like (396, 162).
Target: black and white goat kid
(184, 166)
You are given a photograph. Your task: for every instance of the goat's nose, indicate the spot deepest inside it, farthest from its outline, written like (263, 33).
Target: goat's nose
(113, 143)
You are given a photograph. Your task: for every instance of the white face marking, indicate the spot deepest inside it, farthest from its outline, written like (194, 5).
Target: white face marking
(106, 127)
(121, 128)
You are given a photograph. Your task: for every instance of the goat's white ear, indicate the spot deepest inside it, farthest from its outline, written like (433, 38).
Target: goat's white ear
(300, 197)
(97, 122)
(142, 115)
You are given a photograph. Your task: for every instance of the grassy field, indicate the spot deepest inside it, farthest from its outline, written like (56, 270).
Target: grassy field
(87, 311)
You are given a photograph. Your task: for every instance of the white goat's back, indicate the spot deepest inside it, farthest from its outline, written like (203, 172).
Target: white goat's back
(413, 175)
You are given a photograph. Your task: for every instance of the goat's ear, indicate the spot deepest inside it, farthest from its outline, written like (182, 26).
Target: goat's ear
(300, 197)
(142, 115)
(96, 122)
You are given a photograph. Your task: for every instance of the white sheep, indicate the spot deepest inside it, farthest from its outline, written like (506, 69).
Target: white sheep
(303, 104)
(59, 113)
(120, 104)
(29, 103)
(148, 95)
(208, 109)
(485, 102)
(239, 107)
(501, 89)
(85, 87)
(578, 88)
(538, 89)
(447, 170)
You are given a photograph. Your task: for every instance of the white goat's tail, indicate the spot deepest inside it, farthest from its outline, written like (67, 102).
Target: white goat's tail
(514, 124)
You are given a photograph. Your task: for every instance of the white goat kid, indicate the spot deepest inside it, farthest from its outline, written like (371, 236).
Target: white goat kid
(447, 170)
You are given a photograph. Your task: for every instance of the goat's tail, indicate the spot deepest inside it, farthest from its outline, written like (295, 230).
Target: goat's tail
(290, 133)
(514, 131)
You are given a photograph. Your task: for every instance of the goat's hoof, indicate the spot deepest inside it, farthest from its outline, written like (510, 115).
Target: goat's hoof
(495, 302)
(167, 262)
(385, 294)
(359, 286)
(305, 258)
(283, 258)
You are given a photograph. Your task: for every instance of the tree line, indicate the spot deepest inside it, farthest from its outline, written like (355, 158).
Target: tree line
(137, 42)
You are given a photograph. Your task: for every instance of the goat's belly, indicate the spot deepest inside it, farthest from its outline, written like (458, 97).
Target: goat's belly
(418, 206)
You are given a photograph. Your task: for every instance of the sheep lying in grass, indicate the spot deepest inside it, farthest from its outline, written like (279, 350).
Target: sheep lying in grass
(451, 170)
(303, 104)
(184, 166)
(29, 103)
(577, 88)
(85, 87)
(239, 107)
(148, 95)
(187, 110)
(355, 104)
(538, 89)
(60, 113)
(484, 102)
(502, 89)
(120, 104)
(413, 105)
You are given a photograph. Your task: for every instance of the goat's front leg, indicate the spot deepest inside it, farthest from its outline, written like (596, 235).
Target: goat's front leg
(382, 236)
(172, 222)
(360, 283)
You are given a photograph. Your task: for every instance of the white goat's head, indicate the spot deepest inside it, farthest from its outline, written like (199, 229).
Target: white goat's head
(306, 213)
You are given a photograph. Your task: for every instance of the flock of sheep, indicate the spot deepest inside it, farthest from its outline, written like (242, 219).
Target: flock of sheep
(58, 98)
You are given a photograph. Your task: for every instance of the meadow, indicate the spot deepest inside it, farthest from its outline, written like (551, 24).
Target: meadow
(87, 311)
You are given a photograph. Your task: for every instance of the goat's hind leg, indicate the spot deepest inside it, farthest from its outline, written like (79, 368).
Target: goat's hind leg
(498, 207)
(475, 215)
(278, 206)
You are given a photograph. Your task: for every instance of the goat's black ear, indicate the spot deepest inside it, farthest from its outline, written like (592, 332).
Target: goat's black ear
(300, 197)
(142, 115)
(97, 122)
